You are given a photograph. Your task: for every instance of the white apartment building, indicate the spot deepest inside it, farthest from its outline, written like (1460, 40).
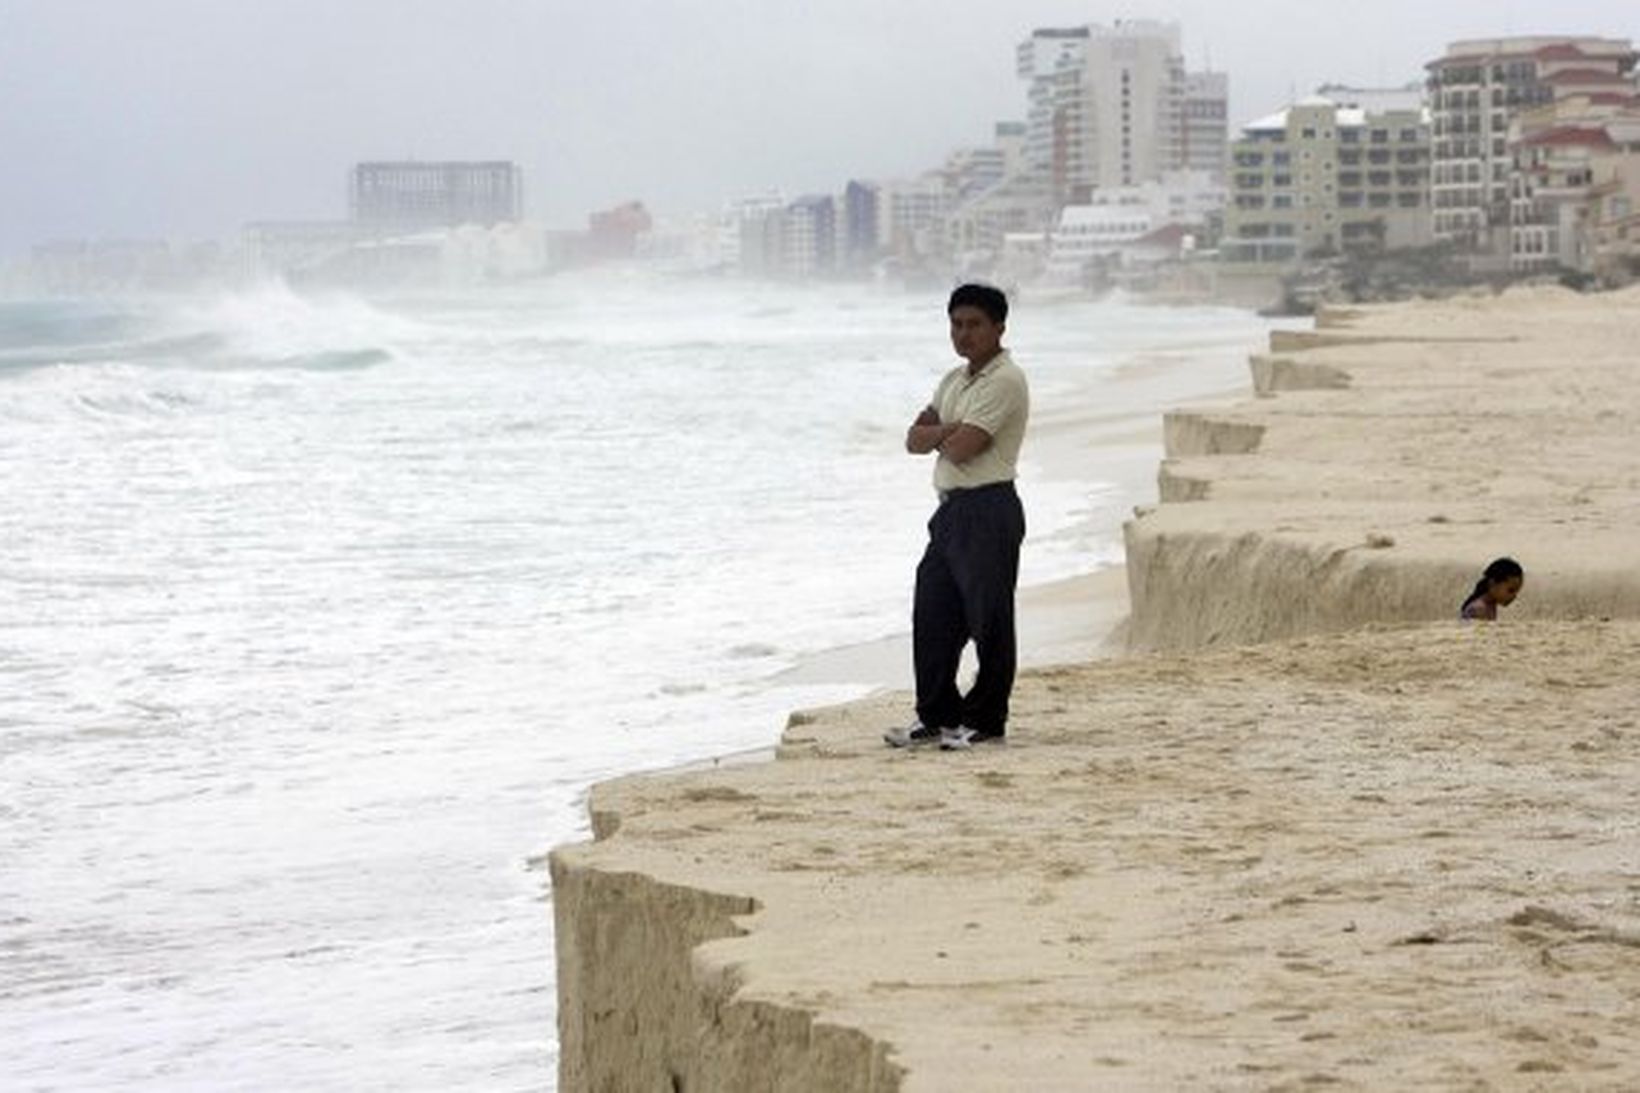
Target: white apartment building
(749, 230)
(1475, 91)
(1126, 103)
(809, 236)
(1114, 106)
(1047, 56)
(1112, 220)
(976, 228)
(971, 171)
(989, 194)
(911, 211)
(1187, 198)
(1088, 234)
(1204, 123)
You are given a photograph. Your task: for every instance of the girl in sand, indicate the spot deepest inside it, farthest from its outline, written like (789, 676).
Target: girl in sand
(1498, 587)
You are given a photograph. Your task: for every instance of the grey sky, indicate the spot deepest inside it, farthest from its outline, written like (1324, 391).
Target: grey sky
(185, 118)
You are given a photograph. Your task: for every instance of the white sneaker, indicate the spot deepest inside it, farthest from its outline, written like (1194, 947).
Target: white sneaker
(914, 735)
(961, 739)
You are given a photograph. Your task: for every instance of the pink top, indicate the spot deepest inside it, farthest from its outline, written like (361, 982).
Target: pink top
(1479, 608)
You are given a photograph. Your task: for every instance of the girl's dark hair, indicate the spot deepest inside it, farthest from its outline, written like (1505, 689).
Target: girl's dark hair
(1501, 569)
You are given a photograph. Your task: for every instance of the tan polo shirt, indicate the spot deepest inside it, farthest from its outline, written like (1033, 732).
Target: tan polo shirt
(998, 401)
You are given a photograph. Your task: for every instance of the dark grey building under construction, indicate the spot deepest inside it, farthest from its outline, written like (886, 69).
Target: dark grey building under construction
(412, 194)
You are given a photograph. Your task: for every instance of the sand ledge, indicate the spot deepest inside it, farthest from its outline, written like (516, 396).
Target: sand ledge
(1371, 855)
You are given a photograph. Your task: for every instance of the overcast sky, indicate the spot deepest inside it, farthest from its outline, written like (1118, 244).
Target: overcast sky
(186, 118)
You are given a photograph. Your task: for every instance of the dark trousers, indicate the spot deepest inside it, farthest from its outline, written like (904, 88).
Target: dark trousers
(965, 591)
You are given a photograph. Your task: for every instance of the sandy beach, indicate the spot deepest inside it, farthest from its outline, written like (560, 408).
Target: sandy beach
(1312, 832)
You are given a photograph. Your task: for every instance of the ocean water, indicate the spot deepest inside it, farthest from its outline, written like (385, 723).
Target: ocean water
(318, 615)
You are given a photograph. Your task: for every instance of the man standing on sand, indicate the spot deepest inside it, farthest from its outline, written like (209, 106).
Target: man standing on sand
(965, 582)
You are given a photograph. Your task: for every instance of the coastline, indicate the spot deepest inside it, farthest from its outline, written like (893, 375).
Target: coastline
(1072, 619)
(1320, 833)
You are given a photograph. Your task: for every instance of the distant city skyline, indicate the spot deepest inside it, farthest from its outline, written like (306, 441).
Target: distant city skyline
(186, 119)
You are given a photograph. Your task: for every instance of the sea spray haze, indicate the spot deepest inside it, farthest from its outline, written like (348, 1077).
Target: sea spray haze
(321, 614)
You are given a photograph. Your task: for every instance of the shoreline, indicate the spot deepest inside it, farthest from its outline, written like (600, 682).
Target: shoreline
(1316, 831)
(1071, 619)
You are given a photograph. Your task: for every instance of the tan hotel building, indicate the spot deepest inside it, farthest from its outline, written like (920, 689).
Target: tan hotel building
(1329, 175)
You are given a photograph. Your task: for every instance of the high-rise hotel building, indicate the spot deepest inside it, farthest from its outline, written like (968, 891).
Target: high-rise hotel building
(416, 194)
(1474, 91)
(1112, 107)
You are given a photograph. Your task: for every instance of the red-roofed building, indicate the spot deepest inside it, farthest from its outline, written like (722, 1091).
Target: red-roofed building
(1475, 91)
(1588, 77)
(1561, 51)
(1562, 154)
(1570, 136)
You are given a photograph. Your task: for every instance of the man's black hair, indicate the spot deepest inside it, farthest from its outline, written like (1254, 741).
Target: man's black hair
(987, 299)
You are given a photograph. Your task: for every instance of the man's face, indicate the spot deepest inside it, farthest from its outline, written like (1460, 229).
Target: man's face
(973, 335)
